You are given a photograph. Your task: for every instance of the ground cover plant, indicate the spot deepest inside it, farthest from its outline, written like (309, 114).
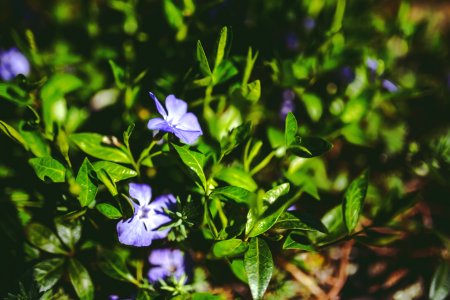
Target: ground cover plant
(233, 149)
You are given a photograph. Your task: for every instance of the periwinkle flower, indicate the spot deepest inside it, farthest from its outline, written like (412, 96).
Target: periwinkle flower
(372, 64)
(292, 42)
(13, 63)
(309, 23)
(176, 120)
(347, 75)
(142, 228)
(389, 86)
(288, 104)
(166, 263)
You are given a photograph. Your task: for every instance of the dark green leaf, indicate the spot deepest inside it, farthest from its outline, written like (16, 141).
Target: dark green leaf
(84, 179)
(69, 231)
(203, 60)
(237, 177)
(48, 272)
(236, 194)
(291, 128)
(13, 134)
(298, 241)
(194, 161)
(108, 211)
(229, 248)
(44, 239)
(309, 146)
(237, 136)
(115, 171)
(119, 74)
(80, 279)
(289, 221)
(221, 45)
(14, 93)
(238, 269)
(93, 144)
(440, 284)
(258, 265)
(114, 266)
(48, 167)
(354, 201)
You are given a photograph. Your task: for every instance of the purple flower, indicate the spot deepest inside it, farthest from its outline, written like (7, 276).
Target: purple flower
(288, 104)
(176, 120)
(347, 75)
(141, 229)
(13, 63)
(309, 23)
(166, 263)
(372, 64)
(389, 86)
(292, 42)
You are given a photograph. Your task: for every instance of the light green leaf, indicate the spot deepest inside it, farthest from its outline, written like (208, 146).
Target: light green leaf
(194, 161)
(237, 177)
(258, 265)
(69, 231)
(34, 139)
(354, 201)
(250, 62)
(338, 17)
(80, 279)
(119, 74)
(93, 144)
(440, 284)
(251, 91)
(203, 60)
(238, 269)
(48, 167)
(14, 93)
(236, 194)
(13, 134)
(221, 45)
(298, 241)
(309, 146)
(115, 171)
(174, 15)
(108, 211)
(104, 177)
(44, 239)
(84, 179)
(273, 194)
(48, 272)
(291, 128)
(229, 248)
(313, 106)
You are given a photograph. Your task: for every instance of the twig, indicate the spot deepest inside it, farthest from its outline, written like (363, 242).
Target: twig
(342, 275)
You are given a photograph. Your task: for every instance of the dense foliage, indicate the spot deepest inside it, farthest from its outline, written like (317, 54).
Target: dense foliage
(230, 149)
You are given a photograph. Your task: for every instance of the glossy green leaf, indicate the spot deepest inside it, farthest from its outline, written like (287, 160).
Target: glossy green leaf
(298, 241)
(88, 187)
(108, 211)
(99, 146)
(115, 171)
(440, 284)
(114, 266)
(236, 194)
(194, 161)
(43, 238)
(309, 146)
(47, 167)
(291, 128)
(69, 231)
(238, 269)
(48, 272)
(203, 60)
(13, 134)
(354, 201)
(237, 177)
(273, 194)
(289, 221)
(258, 265)
(81, 280)
(104, 177)
(229, 248)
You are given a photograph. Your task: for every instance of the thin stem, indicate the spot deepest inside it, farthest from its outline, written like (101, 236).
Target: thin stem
(145, 152)
(339, 240)
(262, 164)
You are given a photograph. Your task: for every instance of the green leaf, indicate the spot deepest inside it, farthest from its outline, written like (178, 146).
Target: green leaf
(34, 139)
(13, 134)
(291, 128)
(108, 211)
(44, 239)
(237, 177)
(238, 269)
(68, 231)
(440, 284)
(204, 296)
(48, 272)
(194, 161)
(119, 74)
(173, 14)
(289, 221)
(258, 265)
(298, 241)
(224, 72)
(250, 62)
(273, 194)
(313, 106)
(80, 279)
(227, 248)
(14, 93)
(221, 45)
(251, 91)
(236, 194)
(114, 266)
(309, 146)
(237, 136)
(48, 167)
(203, 60)
(104, 177)
(115, 171)
(354, 200)
(84, 179)
(338, 17)
(93, 144)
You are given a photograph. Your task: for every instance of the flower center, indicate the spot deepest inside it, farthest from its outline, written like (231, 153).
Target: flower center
(143, 212)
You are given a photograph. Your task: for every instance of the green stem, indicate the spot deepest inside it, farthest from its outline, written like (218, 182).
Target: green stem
(339, 240)
(145, 152)
(262, 164)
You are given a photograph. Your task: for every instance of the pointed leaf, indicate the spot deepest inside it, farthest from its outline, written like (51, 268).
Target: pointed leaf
(221, 45)
(203, 60)
(258, 265)
(93, 144)
(48, 272)
(108, 211)
(309, 146)
(194, 161)
(291, 128)
(354, 200)
(440, 284)
(115, 171)
(69, 231)
(47, 167)
(298, 241)
(236, 194)
(80, 279)
(84, 179)
(229, 248)
(43, 238)
(237, 177)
